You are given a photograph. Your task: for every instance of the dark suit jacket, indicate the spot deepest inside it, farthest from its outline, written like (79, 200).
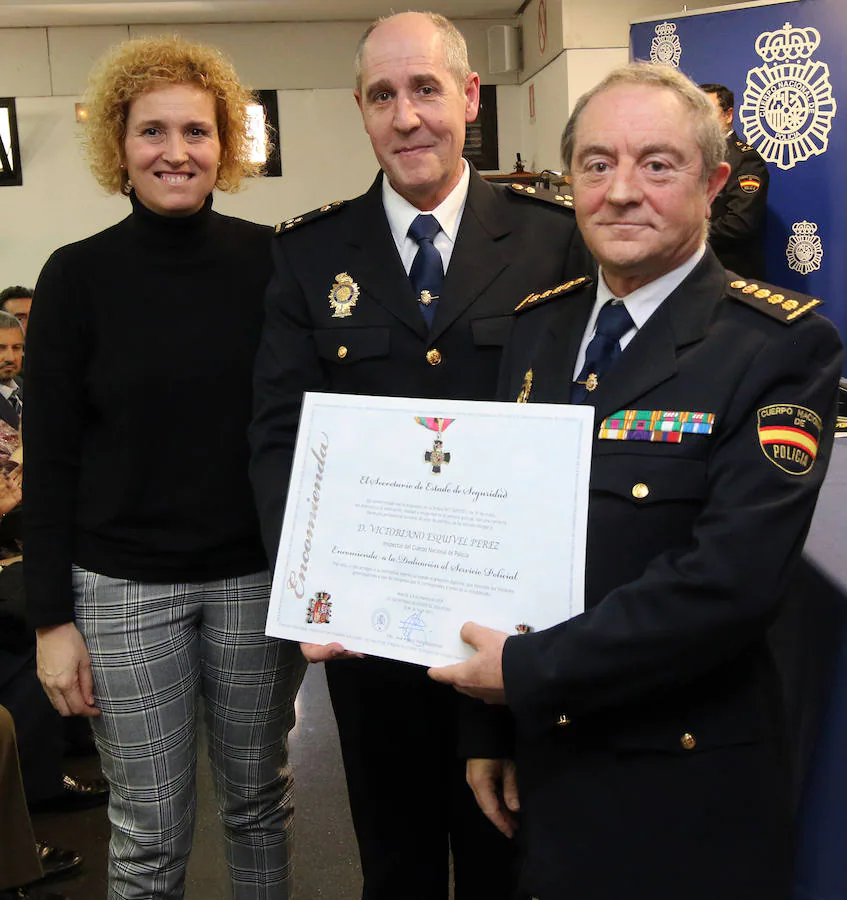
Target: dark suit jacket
(507, 245)
(7, 412)
(649, 735)
(737, 222)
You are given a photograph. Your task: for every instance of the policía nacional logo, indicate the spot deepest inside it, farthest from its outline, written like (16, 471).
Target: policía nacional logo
(665, 47)
(805, 250)
(343, 295)
(788, 104)
(789, 436)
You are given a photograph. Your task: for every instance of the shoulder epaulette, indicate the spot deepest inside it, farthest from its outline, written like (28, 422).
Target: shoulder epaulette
(557, 198)
(744, 148)
(560, 290)
(297, 221)
(772, 301)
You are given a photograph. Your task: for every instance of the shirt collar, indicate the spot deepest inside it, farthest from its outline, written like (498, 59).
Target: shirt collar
(400, 213)
(642, 303)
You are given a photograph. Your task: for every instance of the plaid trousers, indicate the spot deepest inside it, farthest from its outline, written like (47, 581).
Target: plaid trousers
(155, 649)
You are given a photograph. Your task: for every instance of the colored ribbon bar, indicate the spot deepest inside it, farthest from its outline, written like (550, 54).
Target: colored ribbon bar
(434, 423)
(667, 426)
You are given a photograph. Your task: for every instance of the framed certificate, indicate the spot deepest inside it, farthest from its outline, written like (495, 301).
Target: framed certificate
(406, 518)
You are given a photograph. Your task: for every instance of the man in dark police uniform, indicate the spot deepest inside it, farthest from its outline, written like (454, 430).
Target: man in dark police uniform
(651, 759)
(367, 298)
(737, 223)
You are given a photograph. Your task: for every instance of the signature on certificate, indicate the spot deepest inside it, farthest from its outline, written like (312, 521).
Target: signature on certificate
(413, 628)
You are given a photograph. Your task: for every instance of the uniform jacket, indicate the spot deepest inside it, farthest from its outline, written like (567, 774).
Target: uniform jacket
(737, 223)
(7, 412)
(650, 757)
(506, 242)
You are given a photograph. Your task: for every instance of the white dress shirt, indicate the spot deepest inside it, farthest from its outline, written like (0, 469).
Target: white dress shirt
(400, 214)
(640, 304)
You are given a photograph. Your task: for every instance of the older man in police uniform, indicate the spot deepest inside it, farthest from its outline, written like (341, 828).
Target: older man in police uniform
(406, 290)
(651, 759)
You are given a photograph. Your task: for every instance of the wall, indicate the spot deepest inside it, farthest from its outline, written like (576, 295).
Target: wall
(326, 153)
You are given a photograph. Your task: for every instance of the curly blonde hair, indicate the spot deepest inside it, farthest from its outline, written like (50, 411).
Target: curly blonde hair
(133, 68)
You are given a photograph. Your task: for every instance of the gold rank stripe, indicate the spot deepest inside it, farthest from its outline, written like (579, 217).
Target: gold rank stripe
(543, 295)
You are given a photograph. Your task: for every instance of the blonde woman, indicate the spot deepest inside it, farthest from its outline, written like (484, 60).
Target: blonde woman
(146, 575)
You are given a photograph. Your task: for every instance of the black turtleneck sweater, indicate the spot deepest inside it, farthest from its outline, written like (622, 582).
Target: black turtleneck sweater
(138, 397)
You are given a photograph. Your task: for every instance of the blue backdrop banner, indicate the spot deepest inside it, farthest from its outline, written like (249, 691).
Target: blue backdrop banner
(786, 64)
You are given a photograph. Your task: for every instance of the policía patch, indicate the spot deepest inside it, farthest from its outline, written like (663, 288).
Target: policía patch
(789, 436)
(749, 183)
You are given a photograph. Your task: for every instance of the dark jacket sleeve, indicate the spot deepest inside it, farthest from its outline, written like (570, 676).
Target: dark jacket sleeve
(287, 358)
(702, 604)
(739, 214)
(56, 362)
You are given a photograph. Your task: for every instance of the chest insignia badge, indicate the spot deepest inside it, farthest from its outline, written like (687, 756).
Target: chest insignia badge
(343, 295)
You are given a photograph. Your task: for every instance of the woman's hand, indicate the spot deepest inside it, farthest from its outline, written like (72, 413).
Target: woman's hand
(316, 653)
(64, 668)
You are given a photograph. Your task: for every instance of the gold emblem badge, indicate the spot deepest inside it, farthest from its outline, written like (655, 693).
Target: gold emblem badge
(343, 295)
(427, 297)
(523, 396)
(591, 382)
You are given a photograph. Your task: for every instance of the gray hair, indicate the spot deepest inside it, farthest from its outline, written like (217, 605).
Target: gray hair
(7, 320)
(452, 44)
(707, 129)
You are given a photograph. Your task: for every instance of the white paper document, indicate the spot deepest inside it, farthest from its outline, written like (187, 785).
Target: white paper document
(407, 518)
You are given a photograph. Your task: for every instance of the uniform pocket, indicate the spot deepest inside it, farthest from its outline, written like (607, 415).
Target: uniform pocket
(350, 345)
(491, 332)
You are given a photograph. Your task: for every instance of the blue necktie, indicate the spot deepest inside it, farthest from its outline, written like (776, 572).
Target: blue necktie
(15, 400)
(427, 272)
(604, 348)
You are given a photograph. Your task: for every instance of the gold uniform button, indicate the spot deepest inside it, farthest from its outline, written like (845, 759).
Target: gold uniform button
(563, 720)
(688, 741)
(640, 490)
(433, 357)
(342, 352)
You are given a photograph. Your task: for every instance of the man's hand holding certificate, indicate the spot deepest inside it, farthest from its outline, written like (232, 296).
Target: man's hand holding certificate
(408, 518)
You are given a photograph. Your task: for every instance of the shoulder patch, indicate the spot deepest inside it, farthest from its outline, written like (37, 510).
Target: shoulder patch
(556, 198)
(319, 213)
(749, 183)
(772, 301)
(560, 290)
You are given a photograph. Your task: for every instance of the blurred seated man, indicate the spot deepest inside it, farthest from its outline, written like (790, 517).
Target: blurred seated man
(22, 859)
(17, 300)
(737, 222)
(39, 726)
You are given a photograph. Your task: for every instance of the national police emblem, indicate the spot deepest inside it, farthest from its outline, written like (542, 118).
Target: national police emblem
(805, 250)
(665, 47)
(343, 295)
(789, 436)
(788, 104)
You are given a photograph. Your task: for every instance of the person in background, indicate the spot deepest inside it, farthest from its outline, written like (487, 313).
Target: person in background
(737, 222)
(21, 856)
(651, 752)
(11, 361)
(17, 300)
(145, 574)
(407, 290)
